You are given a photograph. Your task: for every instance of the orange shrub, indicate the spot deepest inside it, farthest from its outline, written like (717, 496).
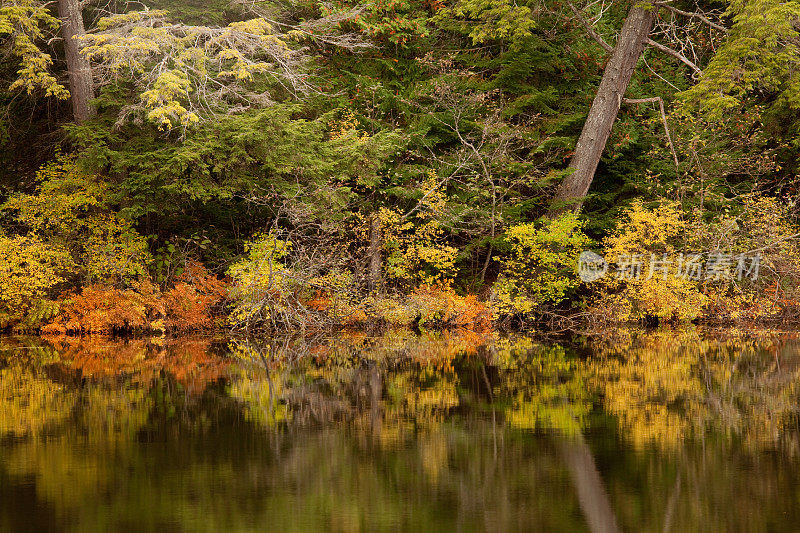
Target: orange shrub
(189, 305)
(441, 305)
(100, 309)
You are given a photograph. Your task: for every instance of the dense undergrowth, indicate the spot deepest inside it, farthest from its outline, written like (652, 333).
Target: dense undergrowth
(75, 266)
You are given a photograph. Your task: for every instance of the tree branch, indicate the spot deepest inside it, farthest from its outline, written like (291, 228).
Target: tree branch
(695, 15)
(663, 120)
(674, 53)
(590, 29)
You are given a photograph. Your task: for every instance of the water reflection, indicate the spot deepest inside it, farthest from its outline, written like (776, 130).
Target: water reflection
(631, 431)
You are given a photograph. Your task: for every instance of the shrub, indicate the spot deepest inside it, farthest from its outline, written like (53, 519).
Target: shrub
(102, 309)
(541, 267)
(436, 306)
(414, 248)
(261, 283)
(29, 271)
(761, 225)
(71, 211)
(190, 304)
(647, 233)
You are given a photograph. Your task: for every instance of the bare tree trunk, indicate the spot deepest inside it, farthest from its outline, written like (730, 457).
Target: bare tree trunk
(374, 272)
(607, 101)
(81, 86)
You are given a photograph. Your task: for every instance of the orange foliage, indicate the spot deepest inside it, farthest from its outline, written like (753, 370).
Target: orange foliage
(440, 304)
(190, 303)
(100, 309)
(320, 302)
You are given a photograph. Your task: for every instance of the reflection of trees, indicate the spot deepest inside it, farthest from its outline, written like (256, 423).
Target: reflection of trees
(666, 387)
(402, 432)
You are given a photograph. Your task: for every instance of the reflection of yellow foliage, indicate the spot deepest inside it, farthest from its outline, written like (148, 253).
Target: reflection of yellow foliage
(546, 387)
(668, 386)
(30, 403)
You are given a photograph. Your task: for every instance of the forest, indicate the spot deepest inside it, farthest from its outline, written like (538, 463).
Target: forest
(263, 165)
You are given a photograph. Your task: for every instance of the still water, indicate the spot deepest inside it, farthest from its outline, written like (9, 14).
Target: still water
(631, 431)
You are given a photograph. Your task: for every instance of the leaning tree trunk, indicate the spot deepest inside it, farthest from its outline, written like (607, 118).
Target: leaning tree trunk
(80, 71)
(374, 270)
(607, 101)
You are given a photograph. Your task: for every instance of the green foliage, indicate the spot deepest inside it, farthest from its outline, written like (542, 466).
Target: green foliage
(760, 56)
(492, 20)
(259, 153)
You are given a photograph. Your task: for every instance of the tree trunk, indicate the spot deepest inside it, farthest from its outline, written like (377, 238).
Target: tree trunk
(607, 101)
(81, 86)
(374, 271)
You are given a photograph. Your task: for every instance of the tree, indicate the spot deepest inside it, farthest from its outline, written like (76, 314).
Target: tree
(23, 25)
(610, 95)
(81, 85)
(606, 105)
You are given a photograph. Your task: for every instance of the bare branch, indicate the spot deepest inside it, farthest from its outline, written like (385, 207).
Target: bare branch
(695, 15)
(674, 53)
(663, 120)
(590, 29)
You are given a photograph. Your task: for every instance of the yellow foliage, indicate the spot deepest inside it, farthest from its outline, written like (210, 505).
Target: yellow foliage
(661, 241)
(29, 269)
(541, 265)
(70, 211)
(260, 281)
(646, 236)
(415, 253)
(433, 306)
(22, 24)
(347, 128)
(164, 101)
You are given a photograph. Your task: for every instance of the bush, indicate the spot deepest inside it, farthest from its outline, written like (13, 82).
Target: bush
(541, 267)
(647, 233)
(29, 271)
(191, 303)
(102, 309)
(71, 211)
(761, 225)
(262, 285)
(435, 306)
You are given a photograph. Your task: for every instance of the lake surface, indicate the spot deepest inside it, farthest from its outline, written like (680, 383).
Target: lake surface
(633, 431)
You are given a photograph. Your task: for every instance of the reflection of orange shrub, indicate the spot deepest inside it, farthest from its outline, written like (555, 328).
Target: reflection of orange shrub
(190, 361)
(189, 305)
